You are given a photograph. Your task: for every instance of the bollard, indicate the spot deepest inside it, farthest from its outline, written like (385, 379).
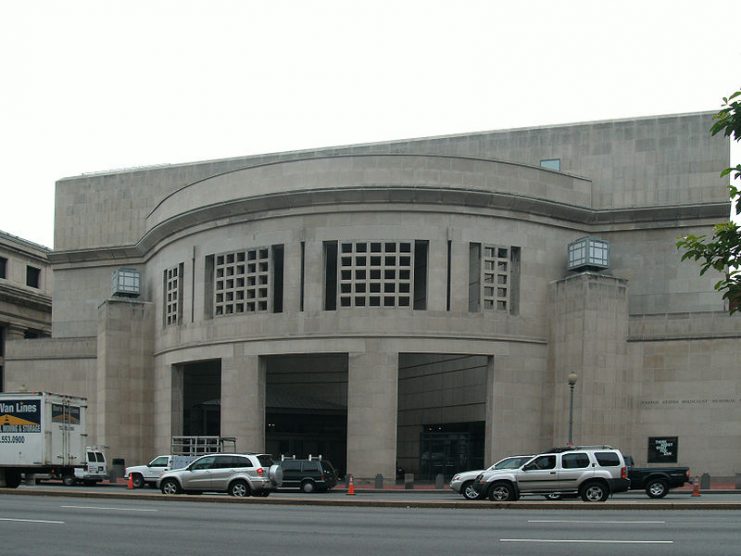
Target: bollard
(408, 481)
(439, 481)
(379, 481)
(705, 481)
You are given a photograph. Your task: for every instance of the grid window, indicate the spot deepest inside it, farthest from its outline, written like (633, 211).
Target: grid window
(242, 282)
(173, 294)
(495, 278)
(375, 274)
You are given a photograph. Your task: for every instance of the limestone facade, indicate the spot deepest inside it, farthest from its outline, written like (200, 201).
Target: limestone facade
(25, 293)
(404, 303)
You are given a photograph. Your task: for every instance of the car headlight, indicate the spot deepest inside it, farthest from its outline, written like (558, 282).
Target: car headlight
(455, 478)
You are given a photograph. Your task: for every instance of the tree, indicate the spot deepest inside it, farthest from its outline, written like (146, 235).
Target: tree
(722, 252)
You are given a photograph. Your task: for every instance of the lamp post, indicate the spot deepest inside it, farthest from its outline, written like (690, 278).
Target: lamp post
(572, 382)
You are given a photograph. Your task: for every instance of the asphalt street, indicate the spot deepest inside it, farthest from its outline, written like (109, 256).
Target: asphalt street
(42, 525)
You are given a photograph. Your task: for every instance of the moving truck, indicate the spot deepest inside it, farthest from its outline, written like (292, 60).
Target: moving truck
(41, 432)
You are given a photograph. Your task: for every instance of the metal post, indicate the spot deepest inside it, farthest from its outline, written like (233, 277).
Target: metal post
(572, 383)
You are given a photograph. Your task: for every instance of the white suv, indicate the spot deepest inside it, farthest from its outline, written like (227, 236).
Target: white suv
(236, 474)
(593, 472)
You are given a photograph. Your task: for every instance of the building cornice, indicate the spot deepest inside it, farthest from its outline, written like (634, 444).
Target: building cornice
(410, 198)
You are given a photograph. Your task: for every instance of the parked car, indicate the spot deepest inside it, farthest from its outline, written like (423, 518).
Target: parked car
(148, 474)
(594, 472)
(308, 475)
(237, 474)
(462, 483)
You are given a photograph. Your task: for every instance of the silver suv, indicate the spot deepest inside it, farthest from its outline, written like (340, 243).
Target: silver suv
(593, 472)
(236, 474)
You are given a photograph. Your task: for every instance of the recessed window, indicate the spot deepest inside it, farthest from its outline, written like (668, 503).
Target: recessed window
(234, 282)
(551, 164)
(173, 294)
(3, 267)
(33, 276)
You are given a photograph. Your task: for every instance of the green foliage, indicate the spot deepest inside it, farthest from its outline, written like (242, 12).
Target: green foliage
(722, 252)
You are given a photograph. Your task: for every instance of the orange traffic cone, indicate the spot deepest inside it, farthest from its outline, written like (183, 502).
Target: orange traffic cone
(696, 487)
(351, 487)
(130, 486)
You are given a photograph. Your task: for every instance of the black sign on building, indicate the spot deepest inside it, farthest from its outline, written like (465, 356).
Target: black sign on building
(663, 449)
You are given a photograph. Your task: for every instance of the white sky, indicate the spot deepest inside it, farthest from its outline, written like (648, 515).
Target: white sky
(89, 85)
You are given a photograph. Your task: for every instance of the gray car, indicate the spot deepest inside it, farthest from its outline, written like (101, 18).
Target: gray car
(462, 483)
(235, 474)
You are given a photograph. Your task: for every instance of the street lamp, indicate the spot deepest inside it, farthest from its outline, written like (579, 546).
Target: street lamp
(572, 382)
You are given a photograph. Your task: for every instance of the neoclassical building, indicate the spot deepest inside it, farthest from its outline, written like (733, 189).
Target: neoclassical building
(418, 303)
(25, 294)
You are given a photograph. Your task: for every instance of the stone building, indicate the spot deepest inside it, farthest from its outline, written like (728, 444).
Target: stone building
(417, 303)
(25, 294)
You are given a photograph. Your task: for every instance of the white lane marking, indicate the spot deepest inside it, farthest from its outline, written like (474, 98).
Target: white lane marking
(114, 509)
(583, 541)
(32, 521)
(595, 521)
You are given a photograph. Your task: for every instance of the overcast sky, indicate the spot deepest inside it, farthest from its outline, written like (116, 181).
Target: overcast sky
(105, 84)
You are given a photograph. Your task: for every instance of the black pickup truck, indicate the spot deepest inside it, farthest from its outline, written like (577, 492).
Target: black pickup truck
(656, 481)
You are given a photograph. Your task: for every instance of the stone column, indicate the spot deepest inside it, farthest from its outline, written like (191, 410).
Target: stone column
(124, 379)
(313, 276)
(373, 378)
(243, 400)
(292, 277)
(589, 330)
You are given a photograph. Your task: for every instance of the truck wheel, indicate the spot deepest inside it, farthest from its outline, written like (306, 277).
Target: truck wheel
(69, 480)
(468, 492)
(657, 488)
(501, 492)
(594, 492)
(170, 486)
(12, 479)
(137, 481)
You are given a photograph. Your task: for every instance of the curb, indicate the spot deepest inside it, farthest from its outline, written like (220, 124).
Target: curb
(357, 501)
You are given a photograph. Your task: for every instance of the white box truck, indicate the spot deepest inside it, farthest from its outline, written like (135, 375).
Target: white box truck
(40, 432)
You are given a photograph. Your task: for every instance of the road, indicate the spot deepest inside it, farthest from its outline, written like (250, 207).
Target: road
(60, 526)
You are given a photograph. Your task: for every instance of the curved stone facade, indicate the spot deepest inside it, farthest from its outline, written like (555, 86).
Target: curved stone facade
(402, 304)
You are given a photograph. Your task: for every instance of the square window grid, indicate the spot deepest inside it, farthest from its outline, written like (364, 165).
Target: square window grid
(242, 282)
(172, 295)
(375, 274)
(495, 279)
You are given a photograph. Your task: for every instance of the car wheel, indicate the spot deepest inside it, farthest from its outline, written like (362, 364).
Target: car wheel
(468, 492)
(657, 488)
(594, 492)
(553, 496)
(307, 486)
(170, 486)
(501, 492)
(69, 480)
(239, 488)
(137, 481)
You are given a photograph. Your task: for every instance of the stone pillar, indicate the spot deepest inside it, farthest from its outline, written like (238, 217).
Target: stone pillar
(373, 378)
(437, 283)
(459, 267)
(292, 277)
(243, 400)
(124, 380)
(589, 330)
(313, 276)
